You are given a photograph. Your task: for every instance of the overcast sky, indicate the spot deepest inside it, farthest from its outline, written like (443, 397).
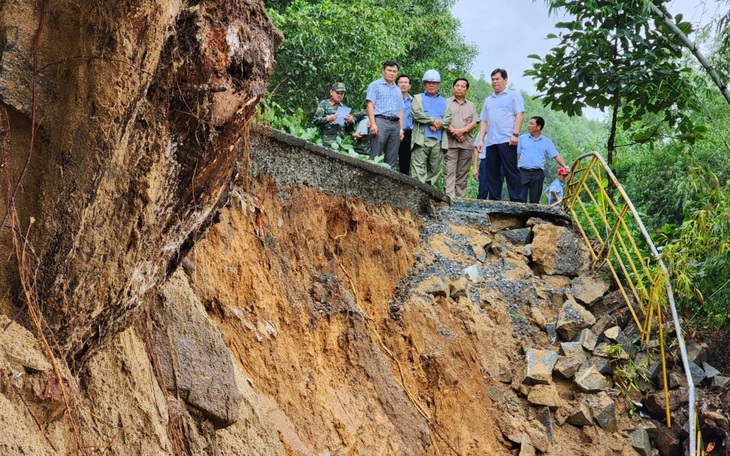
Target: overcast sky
(507, 31)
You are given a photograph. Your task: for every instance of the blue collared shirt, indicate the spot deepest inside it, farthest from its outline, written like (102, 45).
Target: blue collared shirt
(434, 106)
(532, 151)
(407, 117)
(387, 100)
(500, 111)
(557, 187)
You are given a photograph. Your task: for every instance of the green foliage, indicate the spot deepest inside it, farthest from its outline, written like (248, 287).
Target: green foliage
(614, 54)
(697, 252)
(335, 40)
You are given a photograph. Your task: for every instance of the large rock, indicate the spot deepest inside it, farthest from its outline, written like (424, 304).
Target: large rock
(572, 318)
(590, 380)
(546, 395)
(604, 411)
(588, 288)
(194, 359)
(581, 416)
(587, 339)
(640, 442)
(540, 364)
(567, 366)
(558, 250)
(665, 440)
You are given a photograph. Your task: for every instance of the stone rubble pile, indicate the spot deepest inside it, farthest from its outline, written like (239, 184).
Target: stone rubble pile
(594, 340)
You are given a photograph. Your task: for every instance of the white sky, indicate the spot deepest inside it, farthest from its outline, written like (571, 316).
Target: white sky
(507, 31)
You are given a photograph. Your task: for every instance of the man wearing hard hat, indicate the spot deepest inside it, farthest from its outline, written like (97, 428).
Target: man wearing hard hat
(431, 118)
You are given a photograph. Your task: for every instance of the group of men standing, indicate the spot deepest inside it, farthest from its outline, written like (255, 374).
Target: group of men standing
(426, 133)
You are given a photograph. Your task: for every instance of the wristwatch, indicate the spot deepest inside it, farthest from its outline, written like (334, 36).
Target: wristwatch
(516, 135)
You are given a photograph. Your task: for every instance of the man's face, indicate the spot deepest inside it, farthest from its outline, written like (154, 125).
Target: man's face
(532, 126)
(337, 96)
(498, 83)
(404, 84)
(460, 89)
(390, 73)
(431, 88)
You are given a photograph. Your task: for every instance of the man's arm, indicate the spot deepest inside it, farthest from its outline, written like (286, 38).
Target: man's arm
(370, 107)
(482, 133)
(417, 112)
(319, 118)
(516, 128)
(560, 161)
(400, 122)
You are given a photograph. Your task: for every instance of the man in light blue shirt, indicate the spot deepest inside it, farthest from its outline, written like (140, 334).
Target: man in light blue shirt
(385, 111)
(532, 149)
(496, 145)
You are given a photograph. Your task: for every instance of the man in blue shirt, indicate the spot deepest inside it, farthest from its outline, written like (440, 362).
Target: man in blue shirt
(385, 111)
(496, 145)
(532, 149)
(404, 150)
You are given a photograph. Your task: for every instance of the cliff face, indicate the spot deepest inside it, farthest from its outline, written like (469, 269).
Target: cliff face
(307, 321)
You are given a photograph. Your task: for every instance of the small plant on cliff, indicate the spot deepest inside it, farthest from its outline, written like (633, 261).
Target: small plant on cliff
(627, 374)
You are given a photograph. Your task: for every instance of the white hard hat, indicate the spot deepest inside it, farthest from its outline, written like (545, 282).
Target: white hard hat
(431, 76)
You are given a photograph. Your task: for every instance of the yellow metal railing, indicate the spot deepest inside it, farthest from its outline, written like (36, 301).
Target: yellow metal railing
(618, 240)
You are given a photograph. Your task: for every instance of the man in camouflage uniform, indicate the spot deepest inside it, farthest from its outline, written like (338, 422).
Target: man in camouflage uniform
(326, 114)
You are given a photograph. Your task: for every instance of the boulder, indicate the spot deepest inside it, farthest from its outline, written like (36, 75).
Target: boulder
(474, 273)
(572, 318)
(459, 288)
(588, 288)
(640, 442)
(655, 403)
(546, 395)
(666, 441)
(540, 364)
(573, 350)
(612, 333)
(601, 364)
(194, 359)
(520, 236)
(697, 373)
(604, 411)
(479, 253)
(581, 416)
(567, 366)
(558, 250)
(720, 381)
(587, 339)
(589, 380)
(545, 417)
(710, 371)
(697, 352)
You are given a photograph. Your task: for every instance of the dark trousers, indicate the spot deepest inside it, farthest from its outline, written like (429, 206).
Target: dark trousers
(386, 141)
(404, 154)
(483, 184)
(502, 158)
(532, 180)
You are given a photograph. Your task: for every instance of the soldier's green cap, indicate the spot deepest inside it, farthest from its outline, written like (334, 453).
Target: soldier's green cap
(338, 87)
